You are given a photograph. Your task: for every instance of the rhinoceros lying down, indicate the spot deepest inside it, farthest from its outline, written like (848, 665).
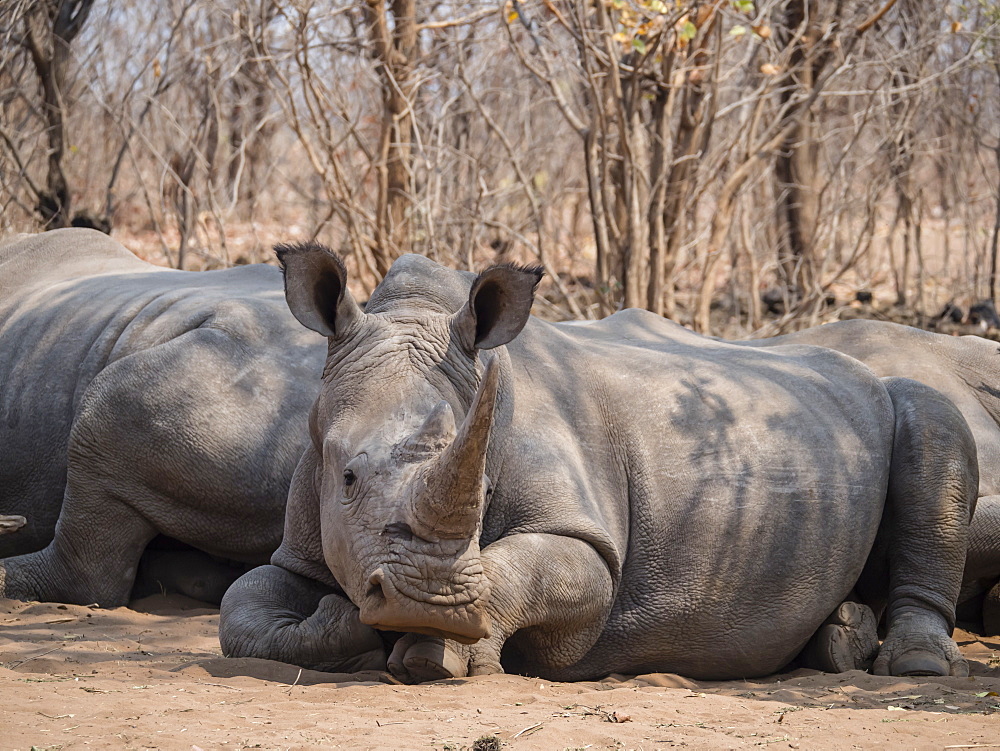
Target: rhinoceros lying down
(140, 400)
(576, 500)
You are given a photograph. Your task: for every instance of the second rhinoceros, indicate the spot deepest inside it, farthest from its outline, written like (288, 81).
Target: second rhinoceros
(138, 401)
(575, 500)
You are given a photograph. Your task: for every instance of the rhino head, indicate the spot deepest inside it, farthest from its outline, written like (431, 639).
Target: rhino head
(401, 429)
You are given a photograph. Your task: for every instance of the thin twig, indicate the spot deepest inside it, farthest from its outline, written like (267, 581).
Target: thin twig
(871, 22)
(528, 729)
(295, 682)
(34, 657)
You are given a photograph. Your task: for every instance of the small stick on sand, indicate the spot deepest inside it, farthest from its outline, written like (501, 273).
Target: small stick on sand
(528, 729)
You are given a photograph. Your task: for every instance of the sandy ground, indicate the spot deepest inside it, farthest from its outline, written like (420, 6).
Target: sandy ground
(153, 677)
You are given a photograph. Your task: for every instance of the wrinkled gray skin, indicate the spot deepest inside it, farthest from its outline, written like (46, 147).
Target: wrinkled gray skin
(576, 500)
(139, 401)
(965, 369)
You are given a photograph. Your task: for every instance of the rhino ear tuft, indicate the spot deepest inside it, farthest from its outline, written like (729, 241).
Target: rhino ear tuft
(316, 288)
(499, 305)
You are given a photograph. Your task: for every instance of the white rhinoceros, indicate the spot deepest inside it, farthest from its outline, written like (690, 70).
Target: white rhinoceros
(571, 501)
(141, 401)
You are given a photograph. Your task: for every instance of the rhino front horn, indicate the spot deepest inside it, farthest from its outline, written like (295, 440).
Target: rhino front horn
(451, 505)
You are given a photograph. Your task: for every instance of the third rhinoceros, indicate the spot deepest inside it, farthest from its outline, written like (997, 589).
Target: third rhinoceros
(575, 500)
(965, 369)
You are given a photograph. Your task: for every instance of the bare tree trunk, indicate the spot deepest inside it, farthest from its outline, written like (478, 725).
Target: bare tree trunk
(601, 234)
(396, 49)
(996, 234)
(633, 193)
(694, 129)
(249, 128)
(657, 226)
(796, 166)
(52, 25)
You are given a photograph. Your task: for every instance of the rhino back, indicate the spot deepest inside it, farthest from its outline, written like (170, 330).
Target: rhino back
(966, 369)
(709, 475)
(73, 302)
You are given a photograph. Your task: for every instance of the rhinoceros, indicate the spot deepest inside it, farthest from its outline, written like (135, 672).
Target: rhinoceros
(966, 369)
(140, 401)
(571, 501)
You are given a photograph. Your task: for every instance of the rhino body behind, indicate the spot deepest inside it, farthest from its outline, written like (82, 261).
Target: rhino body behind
(966, 369)
(138, 400)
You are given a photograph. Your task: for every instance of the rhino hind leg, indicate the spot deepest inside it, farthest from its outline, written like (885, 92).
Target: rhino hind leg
(916, 565)
(92, 558)
(847, 640)
(99, 536)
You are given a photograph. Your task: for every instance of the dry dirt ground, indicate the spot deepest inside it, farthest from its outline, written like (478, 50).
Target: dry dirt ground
(152, 676)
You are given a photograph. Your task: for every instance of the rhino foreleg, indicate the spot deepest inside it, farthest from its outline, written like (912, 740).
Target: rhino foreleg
(549, 594)
(276, 614)
(99, 536)
(922, 541)
(92, 558)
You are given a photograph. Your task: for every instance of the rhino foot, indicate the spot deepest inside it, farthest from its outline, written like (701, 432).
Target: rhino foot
(847, 641)
(918, 644)
(417, 658)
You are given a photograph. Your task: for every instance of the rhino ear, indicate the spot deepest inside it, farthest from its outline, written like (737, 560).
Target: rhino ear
(498, 307)
(316, 288)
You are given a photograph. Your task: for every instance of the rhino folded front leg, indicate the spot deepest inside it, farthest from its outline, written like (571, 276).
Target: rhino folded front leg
(275, 614)
(11, 523)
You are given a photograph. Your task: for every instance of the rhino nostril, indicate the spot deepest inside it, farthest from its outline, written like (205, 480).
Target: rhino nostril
(375, 584)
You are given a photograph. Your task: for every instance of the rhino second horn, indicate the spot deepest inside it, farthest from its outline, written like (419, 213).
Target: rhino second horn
(437, 432)
(452, 503)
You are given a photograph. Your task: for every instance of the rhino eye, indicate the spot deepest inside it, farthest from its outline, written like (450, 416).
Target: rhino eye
(351, 471)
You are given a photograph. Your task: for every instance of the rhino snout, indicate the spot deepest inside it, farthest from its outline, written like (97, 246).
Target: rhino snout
(457, 612)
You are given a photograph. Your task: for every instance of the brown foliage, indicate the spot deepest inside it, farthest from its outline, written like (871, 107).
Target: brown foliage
(683, 157)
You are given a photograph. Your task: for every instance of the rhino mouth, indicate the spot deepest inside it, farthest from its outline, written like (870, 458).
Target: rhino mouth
(459, 614)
